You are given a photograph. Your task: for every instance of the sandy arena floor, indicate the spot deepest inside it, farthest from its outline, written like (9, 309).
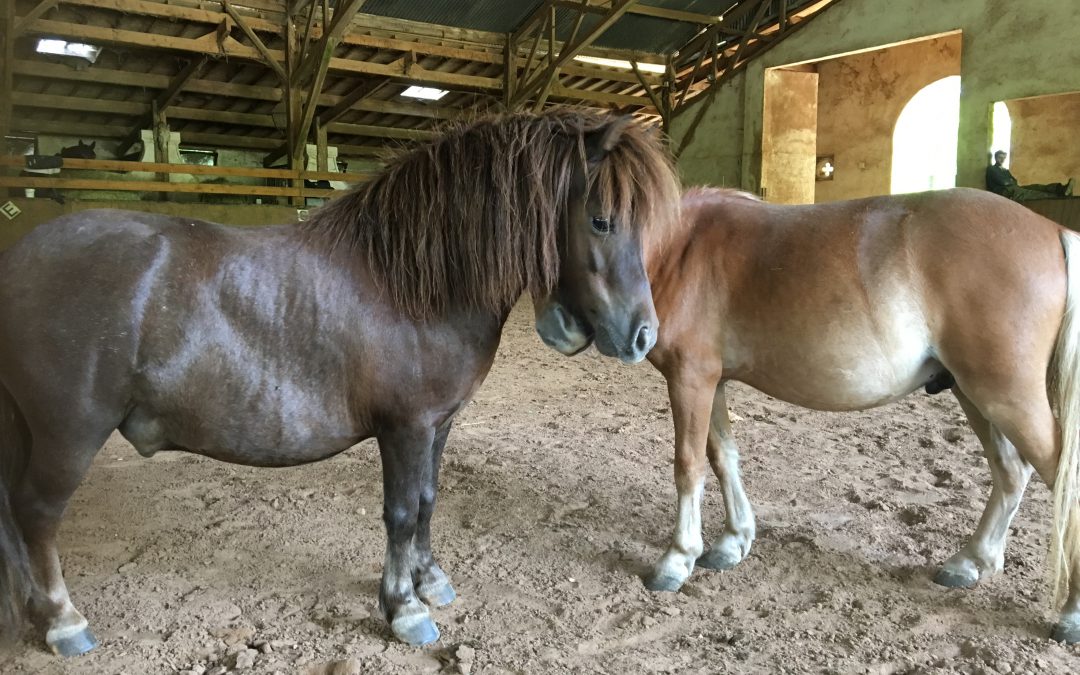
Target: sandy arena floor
(556, 494)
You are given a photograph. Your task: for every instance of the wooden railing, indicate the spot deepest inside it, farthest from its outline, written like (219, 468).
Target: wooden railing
(295, 189)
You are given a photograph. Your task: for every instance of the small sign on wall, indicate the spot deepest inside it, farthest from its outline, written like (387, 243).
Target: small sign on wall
(10, 210)
(825, 168)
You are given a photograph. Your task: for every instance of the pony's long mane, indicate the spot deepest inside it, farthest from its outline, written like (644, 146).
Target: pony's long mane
(471, 218)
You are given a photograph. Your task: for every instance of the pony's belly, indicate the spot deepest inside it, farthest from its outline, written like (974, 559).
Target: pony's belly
(848, 380)
(258, 432)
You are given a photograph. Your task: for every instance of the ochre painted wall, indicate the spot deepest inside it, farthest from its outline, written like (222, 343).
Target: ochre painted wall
(1010, 50)
(860, 98)
(1046, 137)
(790, 136)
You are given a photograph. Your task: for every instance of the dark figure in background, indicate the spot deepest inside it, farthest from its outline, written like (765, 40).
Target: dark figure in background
(1001, 181)
(38, 166)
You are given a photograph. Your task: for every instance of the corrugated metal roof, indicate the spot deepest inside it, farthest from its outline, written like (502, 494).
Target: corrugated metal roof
(632, 31)
(500, 16)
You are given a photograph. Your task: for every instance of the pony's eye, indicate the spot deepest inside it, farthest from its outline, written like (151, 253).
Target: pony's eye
(601, 225)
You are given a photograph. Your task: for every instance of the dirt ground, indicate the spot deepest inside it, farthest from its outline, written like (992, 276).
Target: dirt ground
(556, 494)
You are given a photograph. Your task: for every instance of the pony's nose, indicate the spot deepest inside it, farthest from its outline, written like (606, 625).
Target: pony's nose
(644, 339)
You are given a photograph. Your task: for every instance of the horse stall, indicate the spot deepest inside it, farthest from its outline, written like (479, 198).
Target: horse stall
(569, 546)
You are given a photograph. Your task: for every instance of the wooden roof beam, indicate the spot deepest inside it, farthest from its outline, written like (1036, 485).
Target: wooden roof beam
(540, 85)
(267, 57)
(163, 100)
(318, 58)
(38, 11)
(346, 103)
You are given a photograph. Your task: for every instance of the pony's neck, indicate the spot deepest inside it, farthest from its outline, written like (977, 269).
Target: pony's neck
(664, 264)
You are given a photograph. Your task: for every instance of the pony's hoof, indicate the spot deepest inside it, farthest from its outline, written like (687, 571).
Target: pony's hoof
(951, 578)
(72, 644)
(1068, 632)
(663, 582)
(439, 596)
(416, 630)
(718, 559)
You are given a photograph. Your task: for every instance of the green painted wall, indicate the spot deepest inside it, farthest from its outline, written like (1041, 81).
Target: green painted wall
(1010, 50)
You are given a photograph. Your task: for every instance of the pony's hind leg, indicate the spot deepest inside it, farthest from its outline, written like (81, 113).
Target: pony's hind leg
(55, 469)
(984, 554)
(406, 459)
(1022, 413)
(691, 399)
(432, 584)
(739, 531)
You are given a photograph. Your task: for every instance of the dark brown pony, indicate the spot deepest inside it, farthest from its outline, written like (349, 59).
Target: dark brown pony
(851, 305)
(283, 345)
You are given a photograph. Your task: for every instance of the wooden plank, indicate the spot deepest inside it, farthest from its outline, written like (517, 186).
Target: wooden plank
(268, 58)
(161, 186)
(381, 132)
(157, 167)
(348, 102)
(7, 65)
(675, 15)
(321, 60)
(57, 102)
(31, 125)
(319, 57)
(543, 81)
(347, 150)
(39, 10)
(214, 88)
(170, 11)
(163, 101)
(228, 140)
(206, 44)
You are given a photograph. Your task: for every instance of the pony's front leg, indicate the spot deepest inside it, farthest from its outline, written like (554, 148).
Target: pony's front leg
(432, 584)
(406, 459)
(691, 399)
(739, 531)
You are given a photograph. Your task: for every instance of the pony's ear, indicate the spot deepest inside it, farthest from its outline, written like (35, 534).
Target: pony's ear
(92, 145)
(599, 142)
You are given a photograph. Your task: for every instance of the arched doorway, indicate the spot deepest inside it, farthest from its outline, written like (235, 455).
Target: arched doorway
(924, 140)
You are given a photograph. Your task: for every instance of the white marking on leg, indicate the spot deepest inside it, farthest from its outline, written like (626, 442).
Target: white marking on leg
(984, 554)
(686, 543)
(740, 529)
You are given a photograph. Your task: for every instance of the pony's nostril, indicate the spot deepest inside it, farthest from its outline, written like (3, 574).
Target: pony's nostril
(642, 341)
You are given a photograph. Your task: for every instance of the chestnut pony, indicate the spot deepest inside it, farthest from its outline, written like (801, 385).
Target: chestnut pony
(378, 317)
(851, 305)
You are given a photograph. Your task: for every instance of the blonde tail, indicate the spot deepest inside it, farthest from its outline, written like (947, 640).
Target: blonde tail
(1065, 374)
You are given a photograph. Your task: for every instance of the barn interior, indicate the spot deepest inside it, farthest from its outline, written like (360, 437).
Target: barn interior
(556, 488)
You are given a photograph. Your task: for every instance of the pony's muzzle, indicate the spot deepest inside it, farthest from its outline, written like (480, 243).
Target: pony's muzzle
(643, 338)
(561, 330)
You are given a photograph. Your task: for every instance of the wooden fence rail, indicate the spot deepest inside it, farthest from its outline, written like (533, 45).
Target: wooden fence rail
(295, 190)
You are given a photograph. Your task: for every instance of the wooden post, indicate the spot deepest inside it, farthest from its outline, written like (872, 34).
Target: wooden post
(294, 143)
(161, 144)
(7, 65)
(322, 161)
(509, 70)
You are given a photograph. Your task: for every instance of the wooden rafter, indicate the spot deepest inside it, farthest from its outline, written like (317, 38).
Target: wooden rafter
(734, 69)
(348, 101)
(482, 69)
(163, 100)
(38, 11)
(539, 86)
(267, 57)
(318, 58)
(7, 65)
(717, 53)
